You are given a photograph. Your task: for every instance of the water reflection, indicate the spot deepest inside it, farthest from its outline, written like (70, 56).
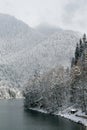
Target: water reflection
(14, 117)
(53, 122)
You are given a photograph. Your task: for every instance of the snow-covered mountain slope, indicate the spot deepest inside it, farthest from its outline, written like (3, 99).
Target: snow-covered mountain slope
(57, 50)
(24, 50)
(8, 76)
(16, 35)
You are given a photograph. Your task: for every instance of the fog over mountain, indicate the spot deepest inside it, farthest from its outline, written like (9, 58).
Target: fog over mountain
(47, 29)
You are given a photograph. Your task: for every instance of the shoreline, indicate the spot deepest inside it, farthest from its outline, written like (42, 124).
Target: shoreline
(76, 119)
(79, 120)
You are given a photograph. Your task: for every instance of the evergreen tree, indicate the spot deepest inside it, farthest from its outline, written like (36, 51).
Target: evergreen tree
(81, 48)
(84, 38)
(77, 53)
(72, 62)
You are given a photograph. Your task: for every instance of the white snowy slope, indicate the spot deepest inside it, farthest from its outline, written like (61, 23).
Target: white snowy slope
(10, 93)
(15, 36)
(57, 50)
(24, 50)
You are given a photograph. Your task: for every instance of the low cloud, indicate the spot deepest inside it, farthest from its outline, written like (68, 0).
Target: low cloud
(68, 14)
(75, 15)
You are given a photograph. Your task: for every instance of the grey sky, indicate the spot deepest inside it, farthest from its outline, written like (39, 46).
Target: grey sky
(68, 14)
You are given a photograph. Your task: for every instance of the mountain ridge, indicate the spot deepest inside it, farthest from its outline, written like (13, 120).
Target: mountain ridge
(31, 51)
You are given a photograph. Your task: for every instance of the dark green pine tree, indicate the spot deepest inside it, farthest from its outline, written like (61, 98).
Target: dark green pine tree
(72, 62)
(84, 38)
(77, 53)
(81, 48)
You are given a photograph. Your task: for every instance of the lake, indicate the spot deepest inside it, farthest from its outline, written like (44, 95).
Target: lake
(14, 117)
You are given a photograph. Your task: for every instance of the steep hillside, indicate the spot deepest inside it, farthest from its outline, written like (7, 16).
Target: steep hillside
(57, 50)
(62, 91)
(27, 51)
(16, 35)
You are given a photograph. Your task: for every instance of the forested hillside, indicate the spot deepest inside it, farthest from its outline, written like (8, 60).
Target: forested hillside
(61, 88)
(25, 51)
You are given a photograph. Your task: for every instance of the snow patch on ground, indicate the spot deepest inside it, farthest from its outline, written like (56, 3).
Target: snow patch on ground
(9, 93)
(38, 110)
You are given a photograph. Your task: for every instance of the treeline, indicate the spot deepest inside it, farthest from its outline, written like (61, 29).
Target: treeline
(60, 88)
(48, 92)
(79, 51)
(79, 75)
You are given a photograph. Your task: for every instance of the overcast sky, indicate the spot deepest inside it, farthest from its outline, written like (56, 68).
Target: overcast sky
(68, 14)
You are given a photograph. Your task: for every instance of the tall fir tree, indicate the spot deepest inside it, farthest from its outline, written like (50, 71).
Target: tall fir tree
(77, 53)
(81, 47)
(72, 62)
(84, 38)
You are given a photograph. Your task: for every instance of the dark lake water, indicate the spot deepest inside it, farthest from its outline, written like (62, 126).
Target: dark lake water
(14, 117)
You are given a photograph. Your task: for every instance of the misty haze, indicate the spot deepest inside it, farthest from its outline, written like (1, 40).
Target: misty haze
(43, 65)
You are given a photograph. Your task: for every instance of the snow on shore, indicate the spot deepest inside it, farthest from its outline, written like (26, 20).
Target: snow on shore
(78, 117)
(9, 93)
(39, 110)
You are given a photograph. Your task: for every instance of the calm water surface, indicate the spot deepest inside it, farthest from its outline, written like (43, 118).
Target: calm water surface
(14, 117)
